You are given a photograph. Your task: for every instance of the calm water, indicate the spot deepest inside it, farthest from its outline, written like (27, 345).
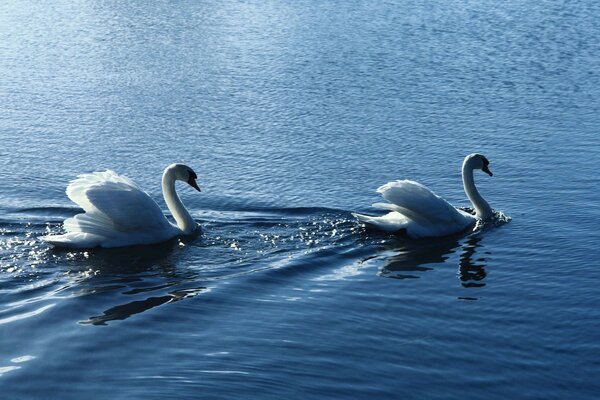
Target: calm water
(293, 113)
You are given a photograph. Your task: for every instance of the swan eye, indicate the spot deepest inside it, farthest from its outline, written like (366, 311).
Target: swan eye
(192, 175)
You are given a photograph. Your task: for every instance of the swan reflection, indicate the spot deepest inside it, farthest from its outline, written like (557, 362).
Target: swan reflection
(126, 310)
(414, 256)
(470, 269)
(133, 272)
(135, 259)
(405, 261)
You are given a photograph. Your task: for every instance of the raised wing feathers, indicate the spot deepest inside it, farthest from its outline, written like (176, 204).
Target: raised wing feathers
(112, 203)
(419, 203)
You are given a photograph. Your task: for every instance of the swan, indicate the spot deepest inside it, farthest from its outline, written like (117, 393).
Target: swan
(419, 212)
(118, 213)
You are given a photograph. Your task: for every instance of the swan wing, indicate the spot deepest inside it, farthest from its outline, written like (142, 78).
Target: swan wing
(419, 203)
(112, 203)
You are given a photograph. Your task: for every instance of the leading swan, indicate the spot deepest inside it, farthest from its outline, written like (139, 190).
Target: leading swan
(419, 212)
(118, 213)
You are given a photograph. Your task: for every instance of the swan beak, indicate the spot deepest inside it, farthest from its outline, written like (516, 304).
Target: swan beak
(487, 170)
(192, 183)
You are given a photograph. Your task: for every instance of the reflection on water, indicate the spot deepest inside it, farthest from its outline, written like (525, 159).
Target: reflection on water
(413, 256)
(471, 271)
(132, 260)
(126, 310)
(133, 271)
(405, 259)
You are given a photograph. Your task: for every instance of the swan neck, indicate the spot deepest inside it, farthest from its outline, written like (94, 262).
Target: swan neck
(482, 208)
(182, 217)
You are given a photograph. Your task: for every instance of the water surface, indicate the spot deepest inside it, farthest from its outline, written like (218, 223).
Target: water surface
(293, 113)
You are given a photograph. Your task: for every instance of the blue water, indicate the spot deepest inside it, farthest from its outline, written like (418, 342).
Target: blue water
(292, 113)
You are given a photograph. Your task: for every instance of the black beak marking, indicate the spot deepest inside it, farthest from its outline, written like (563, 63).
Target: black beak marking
(192, 180)
(192, 183)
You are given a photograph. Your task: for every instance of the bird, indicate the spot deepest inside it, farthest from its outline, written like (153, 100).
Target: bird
(118, 213)
(418, 212)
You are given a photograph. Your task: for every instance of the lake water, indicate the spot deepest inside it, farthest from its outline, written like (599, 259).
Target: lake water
(293, 113)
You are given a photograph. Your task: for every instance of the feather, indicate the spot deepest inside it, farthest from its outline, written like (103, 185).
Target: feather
(116, 213)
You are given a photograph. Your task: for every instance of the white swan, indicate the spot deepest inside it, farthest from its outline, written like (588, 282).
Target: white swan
(419, 212)
(118, 213)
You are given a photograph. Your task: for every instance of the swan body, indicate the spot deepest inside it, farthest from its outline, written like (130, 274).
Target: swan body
(118, 213)
(419, 212)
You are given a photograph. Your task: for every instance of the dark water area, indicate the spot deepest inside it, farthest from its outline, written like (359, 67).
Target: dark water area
(292, 114)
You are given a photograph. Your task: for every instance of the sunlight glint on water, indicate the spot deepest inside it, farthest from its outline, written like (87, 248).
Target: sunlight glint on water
(292, 114)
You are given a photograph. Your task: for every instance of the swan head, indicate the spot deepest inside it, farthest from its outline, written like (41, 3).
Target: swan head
(478, 161)
(181, 172)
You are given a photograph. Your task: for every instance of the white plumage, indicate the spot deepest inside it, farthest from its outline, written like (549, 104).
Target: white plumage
(419, 212)
(118, 213)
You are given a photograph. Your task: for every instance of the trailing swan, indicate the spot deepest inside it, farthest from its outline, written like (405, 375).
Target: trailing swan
(118, 213)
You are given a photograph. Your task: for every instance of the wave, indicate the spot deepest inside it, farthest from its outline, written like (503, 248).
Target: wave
(51, 209)
(296, 210)
(67, 211)
(37, 216)
(255, 245)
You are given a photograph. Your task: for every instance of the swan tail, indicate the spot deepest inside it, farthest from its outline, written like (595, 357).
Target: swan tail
(367, 219)
(392, 222)
(84, 230)
(74, 240)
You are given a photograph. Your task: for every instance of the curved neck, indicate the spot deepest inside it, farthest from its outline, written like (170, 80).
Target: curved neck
(482, 208)
(184, 220)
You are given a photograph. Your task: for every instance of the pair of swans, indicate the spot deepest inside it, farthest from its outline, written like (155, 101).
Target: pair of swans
(118, 213)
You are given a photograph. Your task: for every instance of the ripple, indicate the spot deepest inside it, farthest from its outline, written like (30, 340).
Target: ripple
(4, 370)
(227, 372)
(29, 314)
(49, 211)
(22, 359)
(497, 219)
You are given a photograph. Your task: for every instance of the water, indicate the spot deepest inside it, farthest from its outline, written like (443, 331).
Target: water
(293, 113)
